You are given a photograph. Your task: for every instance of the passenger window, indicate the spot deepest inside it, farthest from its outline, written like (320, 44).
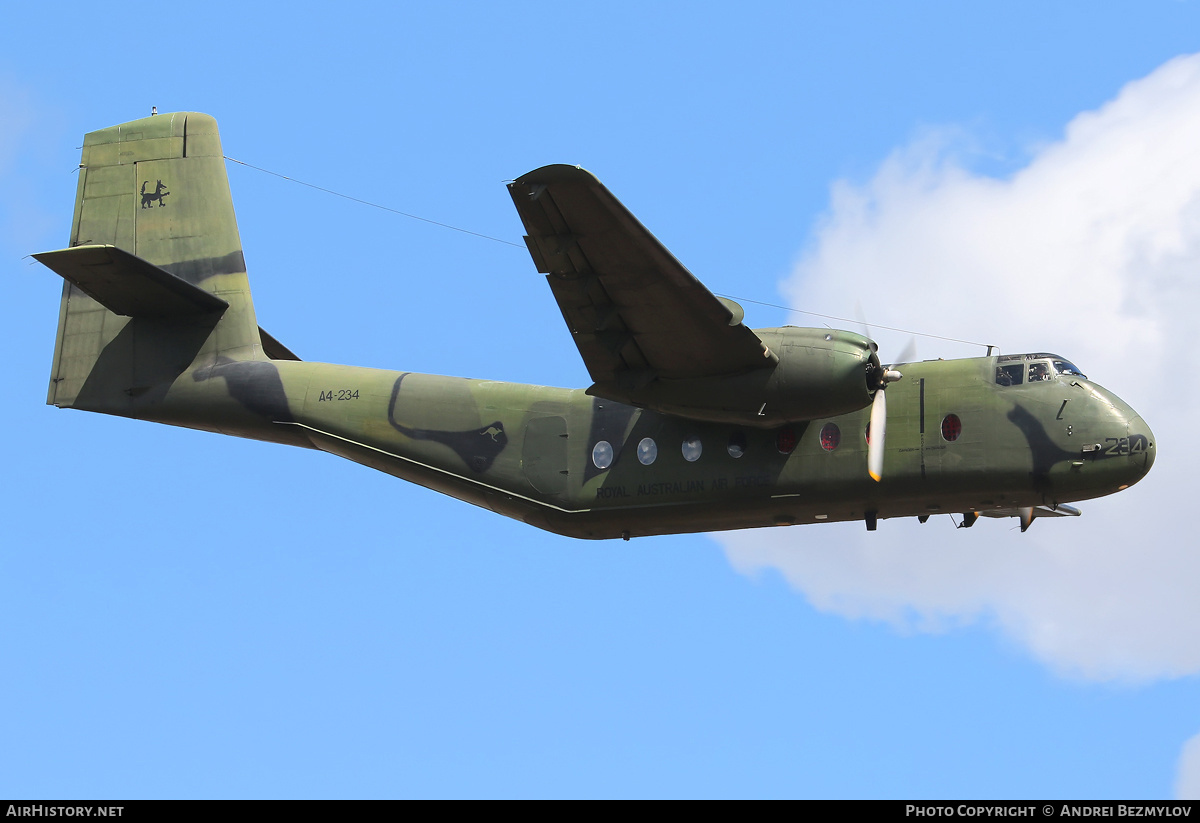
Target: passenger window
(737, 444)
(602, 455)
(831, 436)
(647, 450)
(951, 427)
(785, 440)
(1010, 375)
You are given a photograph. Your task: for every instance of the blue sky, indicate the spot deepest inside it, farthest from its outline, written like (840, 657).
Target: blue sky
(186, 615)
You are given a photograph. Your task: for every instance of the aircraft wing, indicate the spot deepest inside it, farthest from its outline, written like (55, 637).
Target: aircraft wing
(635, 312)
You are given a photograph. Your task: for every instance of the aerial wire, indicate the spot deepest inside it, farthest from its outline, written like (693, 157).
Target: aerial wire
(848, 320)
(521, 246)
(372, 205)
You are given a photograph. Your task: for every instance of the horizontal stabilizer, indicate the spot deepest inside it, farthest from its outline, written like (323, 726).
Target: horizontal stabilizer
(128, 285)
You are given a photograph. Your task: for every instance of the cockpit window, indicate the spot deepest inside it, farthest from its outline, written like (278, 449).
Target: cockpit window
(1042, 367)
(1066, 367)
(1010, 375)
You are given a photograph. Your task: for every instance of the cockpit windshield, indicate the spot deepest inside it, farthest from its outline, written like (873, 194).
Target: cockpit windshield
(1066, 367)
(1019, 369)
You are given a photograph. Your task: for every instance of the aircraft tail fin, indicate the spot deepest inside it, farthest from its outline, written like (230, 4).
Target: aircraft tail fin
(155, 277)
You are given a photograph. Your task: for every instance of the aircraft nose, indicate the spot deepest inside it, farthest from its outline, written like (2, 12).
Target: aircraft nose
(1141, 445)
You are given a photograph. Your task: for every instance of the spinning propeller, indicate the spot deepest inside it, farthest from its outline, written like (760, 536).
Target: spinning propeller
(880, 376)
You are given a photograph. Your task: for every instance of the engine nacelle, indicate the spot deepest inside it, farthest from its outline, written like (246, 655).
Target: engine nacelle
(820, 373)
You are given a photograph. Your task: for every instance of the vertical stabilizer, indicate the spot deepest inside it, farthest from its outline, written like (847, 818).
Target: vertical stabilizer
(157, 190)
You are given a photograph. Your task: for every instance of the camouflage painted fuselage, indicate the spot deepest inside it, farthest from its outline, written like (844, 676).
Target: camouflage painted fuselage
(527, 451)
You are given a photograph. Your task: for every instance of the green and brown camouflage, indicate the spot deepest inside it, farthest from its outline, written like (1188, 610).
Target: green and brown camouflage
(694, 422)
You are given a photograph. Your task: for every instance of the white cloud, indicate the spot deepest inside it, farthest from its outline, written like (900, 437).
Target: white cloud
(1187, 778)
(1092, 250)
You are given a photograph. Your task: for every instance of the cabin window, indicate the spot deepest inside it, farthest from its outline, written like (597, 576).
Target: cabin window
(692, 448)
(737, 445)
(951, 427)
(831, 436)
(602, 454)
(785, 440)
(1010, 375)
(647, 451)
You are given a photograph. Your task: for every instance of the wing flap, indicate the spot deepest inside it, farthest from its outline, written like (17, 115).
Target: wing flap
(1057, 510)
(634, 310)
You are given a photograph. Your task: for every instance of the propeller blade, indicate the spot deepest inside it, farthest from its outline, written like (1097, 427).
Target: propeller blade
(909, 352)
(878, 433)
(861, 317)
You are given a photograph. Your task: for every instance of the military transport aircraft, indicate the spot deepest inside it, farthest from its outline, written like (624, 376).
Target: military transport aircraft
(694, 422)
